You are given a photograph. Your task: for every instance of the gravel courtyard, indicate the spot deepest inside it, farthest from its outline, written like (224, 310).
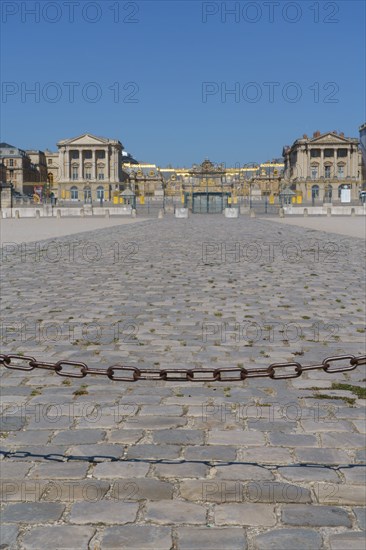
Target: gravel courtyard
(259, 464)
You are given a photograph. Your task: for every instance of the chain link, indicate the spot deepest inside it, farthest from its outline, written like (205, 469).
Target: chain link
(125, 373)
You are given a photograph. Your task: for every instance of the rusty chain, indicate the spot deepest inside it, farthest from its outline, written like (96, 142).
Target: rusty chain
(224, 374)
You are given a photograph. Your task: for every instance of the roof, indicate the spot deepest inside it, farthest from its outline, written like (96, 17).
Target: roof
(7, 146)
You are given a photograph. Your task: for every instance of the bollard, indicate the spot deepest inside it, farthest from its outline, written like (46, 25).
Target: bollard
(58, 213)
(252, 213)
(353, 212)
(329, 212)
(16, 214)
(160, 214)
(82, 212)
(282, 213)
(306, 213)
(106, 215)
(38, 214)
(133, 213)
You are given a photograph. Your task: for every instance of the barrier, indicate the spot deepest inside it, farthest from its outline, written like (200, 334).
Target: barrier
(181, 213)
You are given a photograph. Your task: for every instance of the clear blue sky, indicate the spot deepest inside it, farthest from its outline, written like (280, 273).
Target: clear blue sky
(181, 57)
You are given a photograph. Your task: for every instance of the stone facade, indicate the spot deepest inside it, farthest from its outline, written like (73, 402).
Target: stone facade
(2, 173)
(19, 168)
(319, 167)
(89, 168)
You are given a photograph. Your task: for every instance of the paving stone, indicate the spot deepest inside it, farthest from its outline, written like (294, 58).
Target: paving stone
(154, 422)
(205, 538)
(28, 437)
(351, 541)
(329, 493)
(212, 452)
(262, 515)
(308, 473)
(115, 470)
(24, 490)
(62, 536)
(288, 539)
(235, 437)
(360, 514)
(322, 456)
(322, 426)
(141, 488)
(11, 423)
(78, 437)
(137, 537)
(271, 426)
(178, 437)
(315, 516)
(343, 440)
(148, 451)
(49, 422)
(243, 472)
(104, 511)
(292, 440)
(163, 512)
(14, 470)
(103, 451)
(159, 410)
(8, 536)
(59, 470)
(32, 512)
(356, 474)
(179, 471)
(266, 455)
(89, 490)
(127, 437)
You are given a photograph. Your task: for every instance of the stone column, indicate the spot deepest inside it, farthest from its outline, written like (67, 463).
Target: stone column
(94, 170)
(106, 162)
(81, 165)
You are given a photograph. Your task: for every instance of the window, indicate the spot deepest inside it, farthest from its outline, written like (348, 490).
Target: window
(74, 193)
(101, 176)
(341, 153)
(87, 154)
(75, 174)
(100, 193)
(11, 162)
(340, 171)
(49, 161)
(88, 175)
(314, 172)
(100, 154)
(327, 171)
(314, 153)
(328, 153)
(74, 154)
(315, 191)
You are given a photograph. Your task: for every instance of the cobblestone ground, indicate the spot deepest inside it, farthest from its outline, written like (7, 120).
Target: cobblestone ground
(258, 464)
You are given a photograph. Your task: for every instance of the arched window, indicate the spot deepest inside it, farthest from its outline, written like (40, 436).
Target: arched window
(100, 193)
(315, 191)
(50, 178)
(74, 193)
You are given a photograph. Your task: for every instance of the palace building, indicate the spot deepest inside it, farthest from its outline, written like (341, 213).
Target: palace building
(319, 167)
(89, 168)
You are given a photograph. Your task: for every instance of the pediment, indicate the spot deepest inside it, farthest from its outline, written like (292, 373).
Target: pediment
(329, 138)
(85, 139)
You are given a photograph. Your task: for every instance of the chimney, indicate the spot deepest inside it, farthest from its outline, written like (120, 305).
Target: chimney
(305, 136)
(316, 134)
